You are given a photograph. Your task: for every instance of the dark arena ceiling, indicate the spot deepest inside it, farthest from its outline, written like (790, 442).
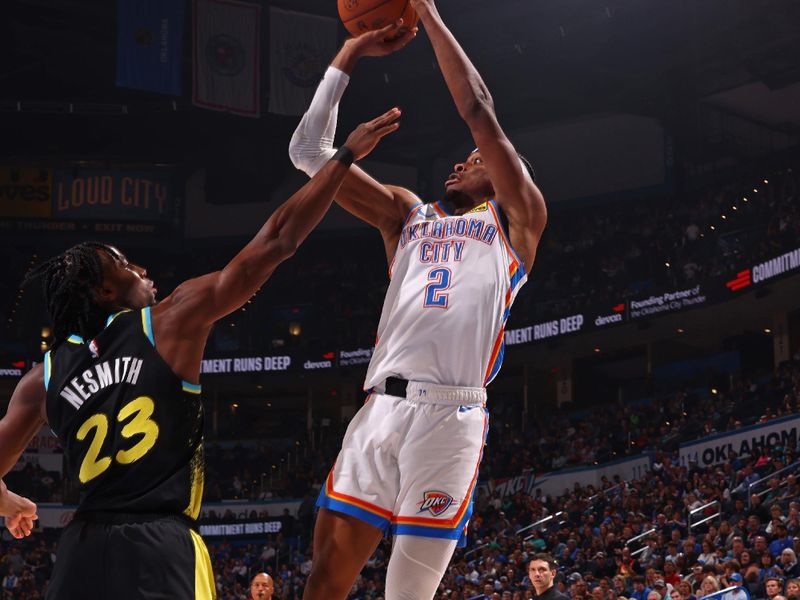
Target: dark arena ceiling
(544, 61)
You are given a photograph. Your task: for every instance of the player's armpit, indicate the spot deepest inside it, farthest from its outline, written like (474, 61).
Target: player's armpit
(382, 206)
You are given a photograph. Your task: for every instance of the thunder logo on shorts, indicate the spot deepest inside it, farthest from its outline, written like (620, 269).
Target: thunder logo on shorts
(435, 502)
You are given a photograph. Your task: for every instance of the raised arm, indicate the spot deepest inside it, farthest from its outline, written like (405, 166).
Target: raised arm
(182, 321)
(382, 206)
(514, 189)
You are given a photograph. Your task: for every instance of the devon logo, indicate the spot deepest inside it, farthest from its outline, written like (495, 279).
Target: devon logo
(435, 502)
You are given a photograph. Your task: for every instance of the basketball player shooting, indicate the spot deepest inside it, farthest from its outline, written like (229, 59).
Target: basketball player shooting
(409, 459)
(120, 390)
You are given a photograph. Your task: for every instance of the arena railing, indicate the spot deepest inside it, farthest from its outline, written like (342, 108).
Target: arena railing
(700, 510)
(636, 538)
(541, 523)
(793, 467)
(729, 593)
(605, 492)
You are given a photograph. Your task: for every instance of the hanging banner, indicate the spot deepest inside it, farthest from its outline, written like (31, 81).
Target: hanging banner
(226, 56)
(149, 42)
(301, 46)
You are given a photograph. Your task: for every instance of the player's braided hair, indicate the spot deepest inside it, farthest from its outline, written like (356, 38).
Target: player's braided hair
(67, 281)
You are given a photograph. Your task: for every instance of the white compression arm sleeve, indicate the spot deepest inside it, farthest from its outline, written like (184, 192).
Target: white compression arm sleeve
(312, 143)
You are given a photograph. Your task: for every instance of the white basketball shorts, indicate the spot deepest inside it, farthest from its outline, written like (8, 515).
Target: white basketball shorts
(409, 465)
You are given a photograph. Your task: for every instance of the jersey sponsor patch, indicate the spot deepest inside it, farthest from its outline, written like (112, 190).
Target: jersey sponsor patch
(435, 502)
(480, 208)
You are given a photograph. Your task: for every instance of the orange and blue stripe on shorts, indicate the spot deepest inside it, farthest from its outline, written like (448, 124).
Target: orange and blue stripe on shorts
(451, 529)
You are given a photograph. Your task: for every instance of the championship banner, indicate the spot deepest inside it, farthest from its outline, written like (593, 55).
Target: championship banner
(25, 192)
(149, 41)
(747, 441)
(112, 195)
(301, 46)
(225, 58)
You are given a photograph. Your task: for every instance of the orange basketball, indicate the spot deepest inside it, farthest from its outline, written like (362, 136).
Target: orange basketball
(360, 16)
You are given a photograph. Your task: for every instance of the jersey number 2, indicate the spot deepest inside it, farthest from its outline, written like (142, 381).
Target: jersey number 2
(93, 464)
(434, 292)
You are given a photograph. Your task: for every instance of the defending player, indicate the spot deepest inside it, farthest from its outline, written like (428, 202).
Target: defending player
(120, 389)
(410, 457)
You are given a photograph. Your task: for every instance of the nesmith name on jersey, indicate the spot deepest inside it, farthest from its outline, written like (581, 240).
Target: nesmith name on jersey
(475, 229)
(124, 369)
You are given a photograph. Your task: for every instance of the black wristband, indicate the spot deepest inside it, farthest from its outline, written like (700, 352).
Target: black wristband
(344, 155)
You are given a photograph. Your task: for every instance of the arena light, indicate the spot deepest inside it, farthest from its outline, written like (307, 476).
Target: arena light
(767, 330)
(680, 330)
(295, 328)
(766, 181)
(714, 391)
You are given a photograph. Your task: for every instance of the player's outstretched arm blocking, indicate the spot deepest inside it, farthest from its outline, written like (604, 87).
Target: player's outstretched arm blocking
(514, 189)
(199, 302)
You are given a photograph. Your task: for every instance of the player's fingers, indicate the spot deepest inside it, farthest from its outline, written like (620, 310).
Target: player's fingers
(387, 129)
(27, 525)
(387, 117)
(402, 40)
(381, 33)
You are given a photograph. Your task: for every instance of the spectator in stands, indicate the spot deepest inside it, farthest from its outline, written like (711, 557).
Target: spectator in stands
(738, 593)
(773, 586)
(660, 587)
(708, 556)
(542, 571)
(261, 587)
(793, 588)
(709, 586)
(788, 563)
(782, 541)
(640, 590)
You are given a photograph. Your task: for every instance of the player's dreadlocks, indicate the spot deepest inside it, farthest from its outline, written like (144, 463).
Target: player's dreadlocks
(68, 280)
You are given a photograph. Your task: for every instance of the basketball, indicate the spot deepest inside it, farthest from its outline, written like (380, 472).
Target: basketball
(360, 16)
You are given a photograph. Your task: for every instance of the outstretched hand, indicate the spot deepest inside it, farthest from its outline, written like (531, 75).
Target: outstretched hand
(382, 42)
(367, 135)
(19, 512)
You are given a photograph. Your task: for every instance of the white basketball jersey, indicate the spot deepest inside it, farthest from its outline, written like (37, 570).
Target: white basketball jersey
(453, 280)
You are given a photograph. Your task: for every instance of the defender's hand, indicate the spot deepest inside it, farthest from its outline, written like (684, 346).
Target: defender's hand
(20, 513)
(367, 135)
(382, 42)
